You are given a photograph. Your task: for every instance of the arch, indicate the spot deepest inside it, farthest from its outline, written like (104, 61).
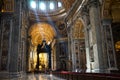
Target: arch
(78, 45)
(41, 31)
(78, 29)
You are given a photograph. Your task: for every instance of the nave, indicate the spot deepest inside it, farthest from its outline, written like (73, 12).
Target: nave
(75, 39)
(36, 76)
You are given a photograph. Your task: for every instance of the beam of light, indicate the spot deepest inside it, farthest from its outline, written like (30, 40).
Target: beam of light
(52, 6)
(33, 4)
(51, 22)
(42, 6)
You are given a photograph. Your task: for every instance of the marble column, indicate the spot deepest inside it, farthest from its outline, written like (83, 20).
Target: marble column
(14, 50)
(5, 46)
(1, 24)
(69, 50)
(96, 45)
(85, 17)
(73, 55)
(109, 49)
(15, 41)
(13, 23)
(0, 41)
(53, 56)
(73, 59)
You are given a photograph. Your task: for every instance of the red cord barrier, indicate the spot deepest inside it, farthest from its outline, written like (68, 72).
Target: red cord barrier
(86, 76)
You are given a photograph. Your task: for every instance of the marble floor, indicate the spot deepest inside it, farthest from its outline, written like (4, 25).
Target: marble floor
(37, 77)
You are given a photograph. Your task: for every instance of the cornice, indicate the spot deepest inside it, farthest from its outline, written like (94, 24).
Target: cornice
(73, 10)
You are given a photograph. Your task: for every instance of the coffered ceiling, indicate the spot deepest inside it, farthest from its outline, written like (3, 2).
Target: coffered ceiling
(78, 30)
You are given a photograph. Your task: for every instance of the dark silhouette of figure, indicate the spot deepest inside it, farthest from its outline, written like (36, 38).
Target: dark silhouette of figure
(38, 51)
(38, 48)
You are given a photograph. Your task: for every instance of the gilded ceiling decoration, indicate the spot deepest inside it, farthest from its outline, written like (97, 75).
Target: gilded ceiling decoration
(7, 5)
(40, 32)
(111, 10)
(115, 10)
(117, 45)
(78, 30)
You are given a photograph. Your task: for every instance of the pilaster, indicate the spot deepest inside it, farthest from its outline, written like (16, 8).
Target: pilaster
(69, 49)
(97, 63)
(5, 46)
(109, 45)
(0, 40)
(85, 17)
(72, 59)
(15, 40)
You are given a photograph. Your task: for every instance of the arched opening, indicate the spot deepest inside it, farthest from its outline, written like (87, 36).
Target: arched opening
(39, 55)
(78, 47)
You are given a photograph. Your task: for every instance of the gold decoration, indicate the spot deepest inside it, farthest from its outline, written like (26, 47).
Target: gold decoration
(41, 31)
(117, 46)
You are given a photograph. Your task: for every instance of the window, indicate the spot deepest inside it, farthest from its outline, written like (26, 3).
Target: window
(42, 6)
(52, 6)
(33, 4)
(45, 5)
(59, 4)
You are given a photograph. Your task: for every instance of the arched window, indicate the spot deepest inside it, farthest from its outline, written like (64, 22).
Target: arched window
(42, 6)
(52, 6)
(33, 4)
(59, 4)
(46, 5)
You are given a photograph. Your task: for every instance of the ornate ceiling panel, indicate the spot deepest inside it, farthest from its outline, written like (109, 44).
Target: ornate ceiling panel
(115, 10)
(111, 10)
(40, 32)
(78, 31)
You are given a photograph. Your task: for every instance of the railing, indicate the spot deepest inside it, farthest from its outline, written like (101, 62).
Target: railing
(86, 76)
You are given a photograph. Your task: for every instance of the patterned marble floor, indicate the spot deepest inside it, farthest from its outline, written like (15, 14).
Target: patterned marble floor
(37, 77)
